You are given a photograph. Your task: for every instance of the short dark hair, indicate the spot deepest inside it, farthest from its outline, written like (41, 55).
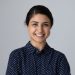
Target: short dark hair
(39, 9)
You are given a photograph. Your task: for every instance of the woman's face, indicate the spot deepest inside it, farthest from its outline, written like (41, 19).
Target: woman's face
(39, 28)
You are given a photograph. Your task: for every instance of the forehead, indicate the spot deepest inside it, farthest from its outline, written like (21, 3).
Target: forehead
(40, 18)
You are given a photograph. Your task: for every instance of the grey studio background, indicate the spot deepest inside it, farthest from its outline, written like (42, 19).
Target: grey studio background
(13, 32)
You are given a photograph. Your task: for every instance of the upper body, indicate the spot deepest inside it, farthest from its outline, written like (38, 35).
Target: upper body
(37, 57)
(28, 61)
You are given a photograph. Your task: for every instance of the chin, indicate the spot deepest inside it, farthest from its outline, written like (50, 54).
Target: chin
(40, 41)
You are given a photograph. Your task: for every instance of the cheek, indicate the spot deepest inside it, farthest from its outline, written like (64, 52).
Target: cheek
(47, 30)
(31, 30)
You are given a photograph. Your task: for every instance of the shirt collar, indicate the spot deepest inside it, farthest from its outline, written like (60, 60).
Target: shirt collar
(31, 49)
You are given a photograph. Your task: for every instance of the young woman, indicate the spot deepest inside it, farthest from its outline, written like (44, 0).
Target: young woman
(37, 57)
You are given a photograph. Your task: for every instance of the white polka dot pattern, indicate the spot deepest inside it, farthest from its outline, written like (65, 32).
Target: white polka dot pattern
(29, 61)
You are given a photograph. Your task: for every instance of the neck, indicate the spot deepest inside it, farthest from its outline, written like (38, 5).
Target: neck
(39, 45)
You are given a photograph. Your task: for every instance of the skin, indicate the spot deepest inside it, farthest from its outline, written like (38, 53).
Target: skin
(39, 29)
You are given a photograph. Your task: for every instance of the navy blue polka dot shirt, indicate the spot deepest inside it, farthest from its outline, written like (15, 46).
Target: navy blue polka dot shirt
(29, 61)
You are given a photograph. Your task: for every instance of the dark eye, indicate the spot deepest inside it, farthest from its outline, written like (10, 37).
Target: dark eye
(34, 24)
(46, 25)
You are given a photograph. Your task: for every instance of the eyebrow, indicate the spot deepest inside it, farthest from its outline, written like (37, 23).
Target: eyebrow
(38, 22)
(34, 21)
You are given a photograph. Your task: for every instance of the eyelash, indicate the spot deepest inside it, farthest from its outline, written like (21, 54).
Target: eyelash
(34, 24)
(46, 25)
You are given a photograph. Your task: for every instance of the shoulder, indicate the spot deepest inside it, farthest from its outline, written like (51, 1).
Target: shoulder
(62, 63)
(52, 51)
(57, 54)
(17, 52)
(60, 58)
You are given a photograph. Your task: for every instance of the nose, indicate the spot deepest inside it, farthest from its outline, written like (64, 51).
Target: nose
(40, 28)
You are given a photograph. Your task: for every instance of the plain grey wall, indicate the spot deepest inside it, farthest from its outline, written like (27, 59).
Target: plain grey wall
(13, 33)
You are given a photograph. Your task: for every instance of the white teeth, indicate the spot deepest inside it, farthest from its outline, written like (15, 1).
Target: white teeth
(39, 35)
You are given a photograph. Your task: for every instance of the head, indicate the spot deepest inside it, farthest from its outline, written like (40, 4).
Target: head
(39, 21)
(39, 9)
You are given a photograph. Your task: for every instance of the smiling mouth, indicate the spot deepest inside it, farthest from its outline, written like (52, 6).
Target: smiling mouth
(39, 35)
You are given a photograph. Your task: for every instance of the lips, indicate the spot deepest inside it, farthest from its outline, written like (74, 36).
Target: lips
(39, 35)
